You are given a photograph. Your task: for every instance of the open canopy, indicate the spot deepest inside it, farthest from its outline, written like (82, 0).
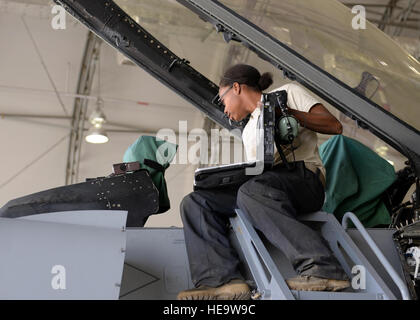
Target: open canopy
(363, 73)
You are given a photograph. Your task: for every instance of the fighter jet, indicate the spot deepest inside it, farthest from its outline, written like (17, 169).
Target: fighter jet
(370, 80)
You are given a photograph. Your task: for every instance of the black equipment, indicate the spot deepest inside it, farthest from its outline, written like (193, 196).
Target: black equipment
(129, 188)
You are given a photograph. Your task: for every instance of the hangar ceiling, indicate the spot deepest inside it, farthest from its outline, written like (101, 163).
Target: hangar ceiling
(395, 17)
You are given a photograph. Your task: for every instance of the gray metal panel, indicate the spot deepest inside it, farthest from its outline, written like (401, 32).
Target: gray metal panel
(91, 255)
(95, 218)
(383, 239)
(156, 264)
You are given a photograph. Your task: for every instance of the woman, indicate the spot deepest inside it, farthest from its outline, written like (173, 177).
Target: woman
(273, 200)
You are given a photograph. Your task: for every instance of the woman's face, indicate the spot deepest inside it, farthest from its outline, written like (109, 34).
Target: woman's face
(232, 98)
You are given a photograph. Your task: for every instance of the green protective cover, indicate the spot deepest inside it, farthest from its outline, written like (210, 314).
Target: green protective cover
(356, 179)
(160, 151)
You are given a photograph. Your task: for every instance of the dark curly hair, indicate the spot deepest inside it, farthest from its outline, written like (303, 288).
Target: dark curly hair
(246, 74)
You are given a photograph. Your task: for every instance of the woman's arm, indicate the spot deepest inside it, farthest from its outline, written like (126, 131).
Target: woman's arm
(318, 119)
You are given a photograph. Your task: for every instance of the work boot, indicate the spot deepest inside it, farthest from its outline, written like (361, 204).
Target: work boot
(233, 290)
(337, 285)
(312, 283)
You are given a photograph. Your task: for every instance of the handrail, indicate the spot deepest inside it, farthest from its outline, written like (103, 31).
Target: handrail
(388, 267)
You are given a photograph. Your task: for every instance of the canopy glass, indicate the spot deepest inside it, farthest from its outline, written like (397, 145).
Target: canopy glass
(322, 31)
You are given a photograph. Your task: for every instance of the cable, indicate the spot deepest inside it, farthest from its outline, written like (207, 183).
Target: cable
(98, 61)
(34, 161)
(81, 96)
(45, 66)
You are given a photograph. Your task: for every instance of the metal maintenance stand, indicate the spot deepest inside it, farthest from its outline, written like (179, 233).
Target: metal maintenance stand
(269, 276)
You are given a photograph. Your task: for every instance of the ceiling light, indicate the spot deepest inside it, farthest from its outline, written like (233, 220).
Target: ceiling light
(96, 134)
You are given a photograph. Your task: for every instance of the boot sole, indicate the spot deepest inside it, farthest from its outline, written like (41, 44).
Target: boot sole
(240, 293)
(311, 288)
(197, 298)
(238, 296)
(320, 288)
(338, 288)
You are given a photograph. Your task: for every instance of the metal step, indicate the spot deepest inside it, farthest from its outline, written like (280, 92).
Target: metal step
(269, 275)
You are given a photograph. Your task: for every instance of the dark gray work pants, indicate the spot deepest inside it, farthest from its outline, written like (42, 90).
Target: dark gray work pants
(273, 201)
